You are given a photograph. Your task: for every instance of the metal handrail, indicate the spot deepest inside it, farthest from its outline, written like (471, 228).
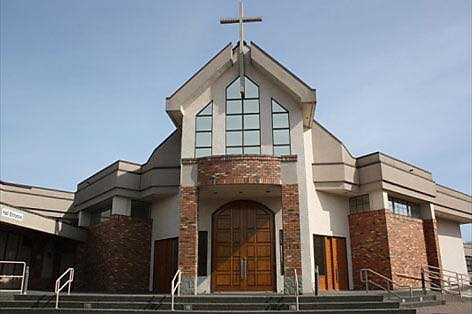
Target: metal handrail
(175, 286)
(390, 283)
(453, 274)
(58, 288)
(22, 276)
(445, 284)
(297, 304)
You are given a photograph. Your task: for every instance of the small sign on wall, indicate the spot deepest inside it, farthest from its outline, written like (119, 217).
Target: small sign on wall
(12, 214)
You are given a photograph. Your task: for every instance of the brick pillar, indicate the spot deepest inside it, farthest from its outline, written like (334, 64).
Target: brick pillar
(430, 228)
(369, 245)
(188, 238)
(291, 229)
(116, 256)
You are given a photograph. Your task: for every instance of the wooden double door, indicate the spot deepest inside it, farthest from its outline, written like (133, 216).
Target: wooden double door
(243, 255)
(331, 258)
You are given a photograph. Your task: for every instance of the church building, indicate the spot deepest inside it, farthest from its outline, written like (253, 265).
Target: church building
(249, 192)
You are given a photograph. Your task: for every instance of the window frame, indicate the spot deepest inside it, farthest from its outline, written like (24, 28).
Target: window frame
(205, 131)
(273, 129)
(356, 199)
(410, 208)
(242, 115)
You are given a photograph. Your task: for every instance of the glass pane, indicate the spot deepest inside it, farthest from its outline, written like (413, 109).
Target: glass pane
(234, 123)
(233, 90)
(251, 106)
(281, 150)
(202, 152)
(251, 89)
(234, 138)
(207, 111)
(281, 137)
(276, 107)
(251, 138)
(252, 150)
(280, 120)
(233, 106)
(203, 124)
(234, 150)
(251, 121)
(203, 139)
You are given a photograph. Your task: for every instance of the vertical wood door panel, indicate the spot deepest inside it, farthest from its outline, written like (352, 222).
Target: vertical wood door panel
(165, 263)
(331, 256)
(251, 244)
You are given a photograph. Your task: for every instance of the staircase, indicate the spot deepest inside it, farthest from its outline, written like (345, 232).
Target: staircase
(357, 302)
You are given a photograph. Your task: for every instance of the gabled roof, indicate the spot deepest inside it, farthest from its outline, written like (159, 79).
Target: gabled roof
(224, 60)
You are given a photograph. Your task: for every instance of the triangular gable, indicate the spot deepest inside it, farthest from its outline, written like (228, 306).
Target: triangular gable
(204, 77)
(224, 60)
(295, 86)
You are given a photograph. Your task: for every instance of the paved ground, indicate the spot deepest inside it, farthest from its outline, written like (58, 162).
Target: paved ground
(452, 307)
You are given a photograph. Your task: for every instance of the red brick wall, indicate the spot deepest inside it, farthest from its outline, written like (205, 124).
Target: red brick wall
(369, 244)
(238, 170)
(291, 229)
(188, 233)
(407, 248)
(116, 256)
(393, 245)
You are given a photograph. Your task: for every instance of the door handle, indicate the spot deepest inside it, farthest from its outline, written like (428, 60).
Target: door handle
(243, 268)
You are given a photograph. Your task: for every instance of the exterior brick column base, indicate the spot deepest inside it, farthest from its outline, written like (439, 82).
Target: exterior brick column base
(291, 245)
(188, 239)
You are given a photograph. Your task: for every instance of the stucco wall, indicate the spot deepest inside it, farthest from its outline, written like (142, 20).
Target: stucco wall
(451, 246)
(329, 217)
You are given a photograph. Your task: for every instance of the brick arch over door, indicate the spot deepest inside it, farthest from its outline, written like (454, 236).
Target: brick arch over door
(243, 241)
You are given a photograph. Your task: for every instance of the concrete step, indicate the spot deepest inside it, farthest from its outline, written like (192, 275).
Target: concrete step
(201, 306)
(201, 298)
(82, 311)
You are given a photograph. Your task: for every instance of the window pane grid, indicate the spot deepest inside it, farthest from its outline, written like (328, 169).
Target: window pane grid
(280, 129)
(404, 208)
(204, 131)
(242, 119)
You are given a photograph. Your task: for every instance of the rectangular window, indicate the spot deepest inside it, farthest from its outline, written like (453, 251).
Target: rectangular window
(359, 204)
(242, 119)
(281, 250)
(202, 253)
(404, 208)
(100, 216)
(203, 131)
(140, 209)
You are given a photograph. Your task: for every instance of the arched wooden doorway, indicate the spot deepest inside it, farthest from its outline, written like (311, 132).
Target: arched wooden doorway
(243, 242)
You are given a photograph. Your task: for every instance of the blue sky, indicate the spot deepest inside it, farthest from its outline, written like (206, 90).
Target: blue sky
(83, 83)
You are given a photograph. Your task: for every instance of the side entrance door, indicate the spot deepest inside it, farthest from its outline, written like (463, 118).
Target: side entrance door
(165, 263)
(243, 248)
(331, 258)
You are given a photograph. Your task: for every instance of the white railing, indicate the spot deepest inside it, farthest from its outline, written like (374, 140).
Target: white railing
(58, 288)
(297, 304)
(389, 282)
(175, 286)
(7, 276)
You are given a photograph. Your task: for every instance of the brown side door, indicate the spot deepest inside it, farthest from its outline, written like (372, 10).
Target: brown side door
(243, 248)
(331, 258)
(165, 263)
